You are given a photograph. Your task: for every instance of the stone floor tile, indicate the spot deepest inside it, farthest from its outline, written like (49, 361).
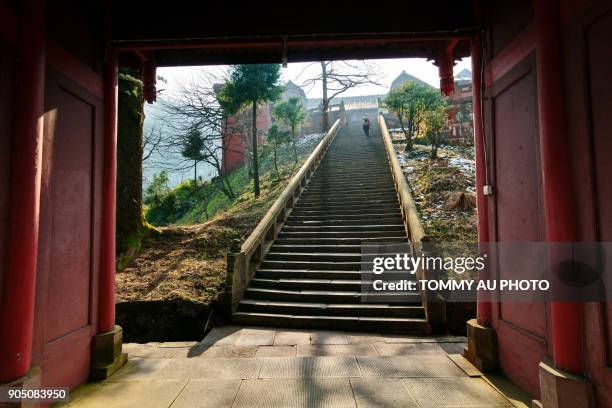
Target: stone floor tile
(296, 393)
(327, 337)
(382, 393)
(140, 369)
(176, 344)
(454, 392)
(146, 351)
(223, 336)
(355, 350)
(310, 367)
(208, 394)
(363, 338)
(291, 338)
(316, 350)
(276, 351)
(410, 338)
(150, 394)
(465, 364)
(210, 368)
(256, 337)
(218, 351)
(409, 349)
(413, 366)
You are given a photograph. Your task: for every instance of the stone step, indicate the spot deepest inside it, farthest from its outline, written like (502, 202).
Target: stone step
(334, 285)
(348, 205)
(340, 241)
(348, 217)
(343, 228)
(326, 211)
(343, 234)
(323, 265)
(333, 309)
(276, 274)
(371, 221)
(348, 249)
(307, 274)
(326, 296)
(355, 323)
(335, 200)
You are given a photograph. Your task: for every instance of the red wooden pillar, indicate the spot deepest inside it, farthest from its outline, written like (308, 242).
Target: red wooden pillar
(484, 307)
(19, 285)
(445, 70)
(566, 317)
(106, 303)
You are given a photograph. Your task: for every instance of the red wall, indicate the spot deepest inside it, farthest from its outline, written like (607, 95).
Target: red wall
(7, 65)
(237, 139)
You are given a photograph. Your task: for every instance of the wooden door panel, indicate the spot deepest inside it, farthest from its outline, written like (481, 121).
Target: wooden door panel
(67, 272)
(517, 216)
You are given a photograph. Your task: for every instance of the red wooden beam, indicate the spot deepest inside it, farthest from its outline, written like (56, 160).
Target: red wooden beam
(106, 302)
(19, 285)
(446, 61)
(8, 24)
(149, 79)
(316, 42)
(559, 206)
(519, 48)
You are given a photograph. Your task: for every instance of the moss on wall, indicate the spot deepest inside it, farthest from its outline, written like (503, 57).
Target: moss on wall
(131, 224)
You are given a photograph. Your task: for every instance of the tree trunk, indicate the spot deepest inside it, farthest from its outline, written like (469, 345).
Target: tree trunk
(195, 172)
(131, 225)
(255, 161)
(293, 143)
(275, 165)
(325, 104)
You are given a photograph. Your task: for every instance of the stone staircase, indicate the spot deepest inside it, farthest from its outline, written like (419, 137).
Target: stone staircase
(311, 278)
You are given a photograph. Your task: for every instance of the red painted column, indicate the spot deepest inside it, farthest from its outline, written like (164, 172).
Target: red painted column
(19, 285)
(106, 290)
(445, 70)
(483, 311)
(566, 317)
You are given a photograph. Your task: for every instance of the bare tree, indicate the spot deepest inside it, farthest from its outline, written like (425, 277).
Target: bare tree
(150, 142)
(337, 77)
(194, 106)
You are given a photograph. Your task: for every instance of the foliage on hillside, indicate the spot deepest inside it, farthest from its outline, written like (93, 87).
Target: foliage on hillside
(192, 203)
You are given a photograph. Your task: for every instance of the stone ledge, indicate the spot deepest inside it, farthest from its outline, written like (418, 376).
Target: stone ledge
(106, 354)
(482, 347)
(559, 389)
(30, 380)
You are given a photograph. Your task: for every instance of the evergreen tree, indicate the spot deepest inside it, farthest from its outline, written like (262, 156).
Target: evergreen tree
(251, 85)
(292, 113)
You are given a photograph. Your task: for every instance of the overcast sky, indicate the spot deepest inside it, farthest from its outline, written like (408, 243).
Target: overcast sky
(299, 72)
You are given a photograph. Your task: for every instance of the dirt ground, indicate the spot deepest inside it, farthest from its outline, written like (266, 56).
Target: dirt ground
(189, 262)
(443, 190)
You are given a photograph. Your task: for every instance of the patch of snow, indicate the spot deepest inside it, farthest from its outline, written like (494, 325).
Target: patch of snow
(465, 165)
(310, 138)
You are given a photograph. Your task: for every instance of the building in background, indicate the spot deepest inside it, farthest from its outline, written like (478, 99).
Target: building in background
(460, 118)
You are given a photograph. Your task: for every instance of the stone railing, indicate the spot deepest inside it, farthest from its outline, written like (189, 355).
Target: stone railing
(241, 265)
(435, 309)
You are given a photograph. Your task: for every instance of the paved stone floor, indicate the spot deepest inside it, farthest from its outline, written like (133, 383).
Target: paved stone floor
(258, 367)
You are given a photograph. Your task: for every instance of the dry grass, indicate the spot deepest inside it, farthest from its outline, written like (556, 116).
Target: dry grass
(460, 201)
(443, 194)
(189, 262)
